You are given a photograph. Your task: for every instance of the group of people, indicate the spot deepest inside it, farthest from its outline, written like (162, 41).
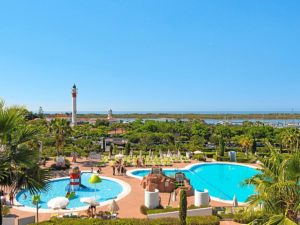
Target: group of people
(99, 170)
(119, 168)
(3, 198)
(91, 211)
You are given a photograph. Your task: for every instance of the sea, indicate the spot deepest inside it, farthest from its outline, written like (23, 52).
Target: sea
(226, 120)
(179, 112)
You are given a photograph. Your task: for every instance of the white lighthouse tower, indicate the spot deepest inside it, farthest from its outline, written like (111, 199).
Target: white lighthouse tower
(74, 105)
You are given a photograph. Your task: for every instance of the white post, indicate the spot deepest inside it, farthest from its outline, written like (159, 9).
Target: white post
(152, 199)
(201, 198)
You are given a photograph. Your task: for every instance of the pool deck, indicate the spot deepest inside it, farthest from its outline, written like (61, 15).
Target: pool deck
(130, 204)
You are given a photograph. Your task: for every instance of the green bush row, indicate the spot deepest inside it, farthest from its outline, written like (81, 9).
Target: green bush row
(199, 157)
(197, 220)
(221, 158)
(245, 160)
(249, 216)
(209, 154)
(145, 211)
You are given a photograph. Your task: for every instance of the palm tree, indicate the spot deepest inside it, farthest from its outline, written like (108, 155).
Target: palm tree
(36, 200)
(246, 143)
(290, 138)
(3, 174)
(277, 188)
(60, 128)
(19, 163)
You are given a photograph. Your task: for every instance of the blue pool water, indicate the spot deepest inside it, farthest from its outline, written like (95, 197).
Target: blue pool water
(105, 190)
(223, 181)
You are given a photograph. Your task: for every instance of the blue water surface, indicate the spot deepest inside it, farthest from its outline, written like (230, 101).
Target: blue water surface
(106, 190)
(223, 181)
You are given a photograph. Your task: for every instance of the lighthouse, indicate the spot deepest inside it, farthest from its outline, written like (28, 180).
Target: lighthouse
(74, 105)
(109, 115)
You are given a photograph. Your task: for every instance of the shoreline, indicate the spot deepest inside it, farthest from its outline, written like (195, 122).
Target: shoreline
(196, 116)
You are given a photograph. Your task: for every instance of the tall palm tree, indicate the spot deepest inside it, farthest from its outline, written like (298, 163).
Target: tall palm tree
(19, 163)
(277, 188)
(60, 128)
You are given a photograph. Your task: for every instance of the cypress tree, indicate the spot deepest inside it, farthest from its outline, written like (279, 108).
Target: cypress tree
(111, 149)
(253, 147)
(127, 148)
(222, 146)
(183, 207)
(103, 145)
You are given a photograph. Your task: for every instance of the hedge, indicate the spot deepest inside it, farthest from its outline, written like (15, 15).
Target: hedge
(221, 158)
(197, 220)
(165, 210)
(209, 154)
(247, 217)
(199, 157)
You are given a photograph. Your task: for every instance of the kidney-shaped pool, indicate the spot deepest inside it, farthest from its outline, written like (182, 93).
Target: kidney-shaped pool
(222, 180)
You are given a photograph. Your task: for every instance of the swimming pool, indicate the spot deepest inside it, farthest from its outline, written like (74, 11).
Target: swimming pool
(107, 190)
(222, 180)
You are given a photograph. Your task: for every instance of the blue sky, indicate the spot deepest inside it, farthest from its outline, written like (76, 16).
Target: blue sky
(151, 55)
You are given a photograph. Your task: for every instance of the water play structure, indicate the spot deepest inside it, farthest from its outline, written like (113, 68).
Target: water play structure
(75, 179)
(158, 180)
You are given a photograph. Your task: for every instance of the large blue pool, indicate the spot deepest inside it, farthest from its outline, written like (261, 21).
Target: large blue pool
(223, 181)
(106, 190)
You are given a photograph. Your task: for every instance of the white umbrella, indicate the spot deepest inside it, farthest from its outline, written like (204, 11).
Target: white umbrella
(235, 201)
(91, 201)
(169, 153)
(58, 203)
(197, 152)
(150, 153)
(113, 207)
(131, 154)
(178, 153)
(119, 156)
(160, 154)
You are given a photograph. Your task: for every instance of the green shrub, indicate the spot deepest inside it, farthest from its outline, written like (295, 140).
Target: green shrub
(197, 220)
(249, 216)
(221, 158)
(199, 157)
(170, 209)
(245, 160)
(209, 154)
(5, 210)
(183, 207)
(203, 220)
(144, 210)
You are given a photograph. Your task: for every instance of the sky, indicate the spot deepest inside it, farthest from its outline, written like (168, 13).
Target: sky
(151, 55)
